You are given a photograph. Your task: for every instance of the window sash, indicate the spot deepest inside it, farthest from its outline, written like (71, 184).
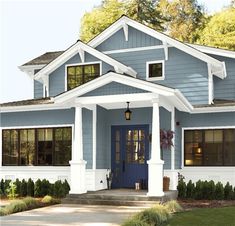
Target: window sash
(155, 70)
(214, 147)
(37, 149)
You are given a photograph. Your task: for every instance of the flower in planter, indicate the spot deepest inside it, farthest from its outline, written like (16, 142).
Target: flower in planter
(166, 137)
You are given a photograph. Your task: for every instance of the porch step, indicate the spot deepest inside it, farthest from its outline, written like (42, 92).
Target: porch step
(117, 198)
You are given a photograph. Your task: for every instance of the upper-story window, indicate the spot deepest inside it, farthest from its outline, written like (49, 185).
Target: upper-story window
(80, 74)
(155, 70)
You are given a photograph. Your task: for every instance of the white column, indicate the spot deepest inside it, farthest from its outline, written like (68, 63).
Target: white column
(77, 164)
(94, 131)
(155, 164)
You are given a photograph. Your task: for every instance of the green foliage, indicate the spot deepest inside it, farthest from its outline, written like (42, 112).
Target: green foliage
(11, 191)
(30, 187)
(109, 11)
(220, 30)
(31, 203)
(219, 191)
(45, 187)
(15, 206)
(2, 186)
(134, 222)
(228, 191)
(199, 190)
(18, 186)
(211, 190)
(190, 190)
(23, 188)
(6, 186)
(49, 200)
(173, 206)
(66, 187)
(37, 188)
(182, 188)
(59, 190)
(2, 211)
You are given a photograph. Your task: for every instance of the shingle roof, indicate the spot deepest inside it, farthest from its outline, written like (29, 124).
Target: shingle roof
(46, 100)
(44, 58)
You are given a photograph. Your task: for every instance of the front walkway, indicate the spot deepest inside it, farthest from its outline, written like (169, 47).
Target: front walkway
(79, 215)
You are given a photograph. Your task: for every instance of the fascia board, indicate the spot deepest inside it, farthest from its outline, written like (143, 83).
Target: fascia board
(213, 109)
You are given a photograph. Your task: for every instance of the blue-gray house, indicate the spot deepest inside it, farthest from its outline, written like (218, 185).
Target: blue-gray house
(75, 128)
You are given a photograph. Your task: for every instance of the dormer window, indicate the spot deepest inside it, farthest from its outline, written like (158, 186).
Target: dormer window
(82, 73)
(155, 70)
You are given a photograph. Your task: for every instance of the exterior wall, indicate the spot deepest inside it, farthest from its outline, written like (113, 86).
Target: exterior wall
(187, 120)
(182, 71)
(225, 88)
(114, 88)
(87, 131)
(38, 90)
(136, 38)
(57, 77)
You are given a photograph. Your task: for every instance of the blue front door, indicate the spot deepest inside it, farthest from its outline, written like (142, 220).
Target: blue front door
(130, 150)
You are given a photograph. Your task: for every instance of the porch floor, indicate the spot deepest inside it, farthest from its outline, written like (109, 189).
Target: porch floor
(118, 197)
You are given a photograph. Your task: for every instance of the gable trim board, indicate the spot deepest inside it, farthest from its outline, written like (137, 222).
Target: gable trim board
(218, 68)
(79, 64)
(80, 48)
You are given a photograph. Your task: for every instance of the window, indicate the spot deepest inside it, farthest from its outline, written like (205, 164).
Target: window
(80, 74)
(155, 70)
(212, 147)
(43, 147)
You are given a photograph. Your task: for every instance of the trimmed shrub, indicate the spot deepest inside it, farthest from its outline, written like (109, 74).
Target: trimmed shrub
(228, 191)
(234, 193)
(211, 190)
(45, 187)
(190, 190)
(18, 185)
(219, 191)
(66, 187)
(6, 186)
(2, 186)
(51, 190)
(31, 202)
(23, 188)
(11, 191)
(37, 188)
(199, 190)
(182, 189)
(49, 200)
(30, 187)
(59, 191)
(15, 206)
(173, 206)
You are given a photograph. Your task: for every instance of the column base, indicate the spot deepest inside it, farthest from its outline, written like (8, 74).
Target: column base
(155, 178)
(77, 174)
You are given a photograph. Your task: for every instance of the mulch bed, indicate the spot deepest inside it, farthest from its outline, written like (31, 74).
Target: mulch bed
(192, 204)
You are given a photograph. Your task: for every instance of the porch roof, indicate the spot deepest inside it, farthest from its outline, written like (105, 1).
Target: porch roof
(168, 97)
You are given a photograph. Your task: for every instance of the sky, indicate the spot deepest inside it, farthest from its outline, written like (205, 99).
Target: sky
(30, 28)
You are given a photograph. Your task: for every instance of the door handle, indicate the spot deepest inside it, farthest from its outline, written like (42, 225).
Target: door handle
(123, 166)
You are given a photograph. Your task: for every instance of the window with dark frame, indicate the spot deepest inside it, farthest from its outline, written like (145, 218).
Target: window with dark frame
(42, 146)
(209, 147)
(155, 70)
(80, 74)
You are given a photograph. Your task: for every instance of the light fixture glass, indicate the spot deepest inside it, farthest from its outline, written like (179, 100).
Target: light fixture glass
(128, 112)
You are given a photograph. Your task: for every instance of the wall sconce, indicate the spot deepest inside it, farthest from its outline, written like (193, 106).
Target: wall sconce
(128, 112)
(199, 150)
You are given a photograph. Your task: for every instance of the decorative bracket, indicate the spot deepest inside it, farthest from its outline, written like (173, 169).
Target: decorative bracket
(81, 54)
(165, 49)
(125, 29)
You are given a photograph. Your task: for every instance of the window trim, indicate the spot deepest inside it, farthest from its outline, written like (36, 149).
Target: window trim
(79, 64)
(34, 127)
(199, 128)
(147, 70)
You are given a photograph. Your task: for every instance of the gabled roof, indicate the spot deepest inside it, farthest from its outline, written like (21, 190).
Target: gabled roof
(218, 67)
(176, 97)
(80, 48)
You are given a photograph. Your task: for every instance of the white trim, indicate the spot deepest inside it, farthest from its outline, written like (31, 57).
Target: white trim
(72, 51)
(79, 64)
(134, 49)
(155, 78)
(210, 85)
(94, 136)
(173, 140)
(218, 68)
(213, 109)
(38, 126)
(215, 51)
(198, 128)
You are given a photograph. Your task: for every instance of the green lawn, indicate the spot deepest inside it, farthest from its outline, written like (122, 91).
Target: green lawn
(205, 217)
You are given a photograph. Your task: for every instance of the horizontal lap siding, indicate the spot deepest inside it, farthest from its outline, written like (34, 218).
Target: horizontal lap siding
(87, 131)
(114, 88)
(198, 120)
(57, 77)
(182, 71)
(38, 90)
(37, 118)
(225, 88)
(135, 39)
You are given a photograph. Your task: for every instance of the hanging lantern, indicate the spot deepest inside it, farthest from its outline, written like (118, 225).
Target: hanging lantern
(128, 112)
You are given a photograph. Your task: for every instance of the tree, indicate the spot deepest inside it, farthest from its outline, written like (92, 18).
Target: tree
(185, 18)
(220, 30)
(101, 17)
